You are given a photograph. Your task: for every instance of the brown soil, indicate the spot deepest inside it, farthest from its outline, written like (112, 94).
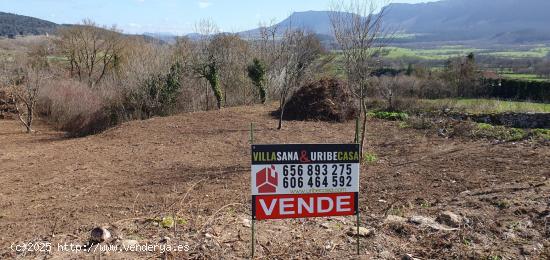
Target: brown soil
(196, 166)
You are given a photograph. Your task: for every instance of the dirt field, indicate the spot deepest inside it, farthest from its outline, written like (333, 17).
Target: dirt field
(196, 166)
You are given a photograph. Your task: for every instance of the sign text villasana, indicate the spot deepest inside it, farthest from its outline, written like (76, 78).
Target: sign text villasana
(311, 157)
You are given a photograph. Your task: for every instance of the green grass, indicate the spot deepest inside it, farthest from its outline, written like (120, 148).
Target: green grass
(369, 158)
(482, 106)
(538, 52)
(540, 134)
(499, 132)
(449, 51)
(508, 134)
(405, 36)
(392, 116)
(331, 65)
(526, 77)
(426, 54)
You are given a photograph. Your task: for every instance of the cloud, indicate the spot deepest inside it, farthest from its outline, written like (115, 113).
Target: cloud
(204, 4)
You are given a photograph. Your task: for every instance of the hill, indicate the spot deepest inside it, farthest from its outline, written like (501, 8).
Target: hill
(162, 36)
(513, 21)
(12, 25)
(518, 20)
(315, 21)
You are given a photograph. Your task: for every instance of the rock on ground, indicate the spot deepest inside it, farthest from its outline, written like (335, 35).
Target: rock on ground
(363, 232)
(450, 219)
(429, 222)
(99, 235)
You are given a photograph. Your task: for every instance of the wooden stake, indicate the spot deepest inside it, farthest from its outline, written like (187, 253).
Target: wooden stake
(253, 240)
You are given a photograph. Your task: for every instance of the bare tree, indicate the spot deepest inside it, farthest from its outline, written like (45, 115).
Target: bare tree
(268, 51)
(206, 62)
(232, 54)
(26, 83)
(463, 75)
(391, 88)
(92, 51)
(298, 50)
(388, 87)
(359, 32)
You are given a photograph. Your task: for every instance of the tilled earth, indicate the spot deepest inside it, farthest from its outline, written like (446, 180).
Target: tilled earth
(491, 200)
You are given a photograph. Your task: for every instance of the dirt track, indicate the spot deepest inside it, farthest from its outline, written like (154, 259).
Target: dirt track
(196, 166)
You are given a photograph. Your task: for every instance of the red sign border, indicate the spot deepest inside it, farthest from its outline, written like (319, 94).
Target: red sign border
(355, 198)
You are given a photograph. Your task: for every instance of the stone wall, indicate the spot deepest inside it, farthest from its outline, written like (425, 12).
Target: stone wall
(517, 120)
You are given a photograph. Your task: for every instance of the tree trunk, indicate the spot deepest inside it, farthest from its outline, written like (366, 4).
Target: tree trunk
(390, 102)
(363, 134)
(281, 119)
(363, 108)
(282, 108)
(206, 95)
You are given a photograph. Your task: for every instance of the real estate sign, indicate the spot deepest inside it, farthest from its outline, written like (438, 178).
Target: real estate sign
(304, 180)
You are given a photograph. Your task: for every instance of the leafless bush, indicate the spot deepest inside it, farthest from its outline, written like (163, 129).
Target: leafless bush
(297, 51)
(434, 87)
(234, 56)
(419, 122)
(358, 28)
(26, 75)
(92, 52)
(391, 89)
(73, 107)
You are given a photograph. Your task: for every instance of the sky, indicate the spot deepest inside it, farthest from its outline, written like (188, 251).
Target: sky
(172, 16)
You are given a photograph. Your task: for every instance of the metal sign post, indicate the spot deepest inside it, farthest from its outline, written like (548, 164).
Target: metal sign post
(252, 219)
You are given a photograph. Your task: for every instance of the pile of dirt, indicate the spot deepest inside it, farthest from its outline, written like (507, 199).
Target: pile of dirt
(323, 100)
(7, 105)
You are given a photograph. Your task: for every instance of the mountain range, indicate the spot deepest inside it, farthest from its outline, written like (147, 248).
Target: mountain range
(12, 25)
(448, 20)
(509, 21)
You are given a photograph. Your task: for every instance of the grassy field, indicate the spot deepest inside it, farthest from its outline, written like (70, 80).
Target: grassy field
(485, 105)
(527, 77)
(532, 53)
(332, 63)
(449, 51)
(443, 53)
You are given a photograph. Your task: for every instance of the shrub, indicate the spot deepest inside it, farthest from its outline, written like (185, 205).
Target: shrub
(73, 107)
(520, 90)
(462, 128)
(392, 116)
(161, 92)
(257, 73)
(418, 122)
(540, 134)
(499, 132)
(87, 124)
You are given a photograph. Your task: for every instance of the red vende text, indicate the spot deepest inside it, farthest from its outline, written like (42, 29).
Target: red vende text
(304, 205)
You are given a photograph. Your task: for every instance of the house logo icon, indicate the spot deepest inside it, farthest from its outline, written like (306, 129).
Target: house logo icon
(267, 180)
